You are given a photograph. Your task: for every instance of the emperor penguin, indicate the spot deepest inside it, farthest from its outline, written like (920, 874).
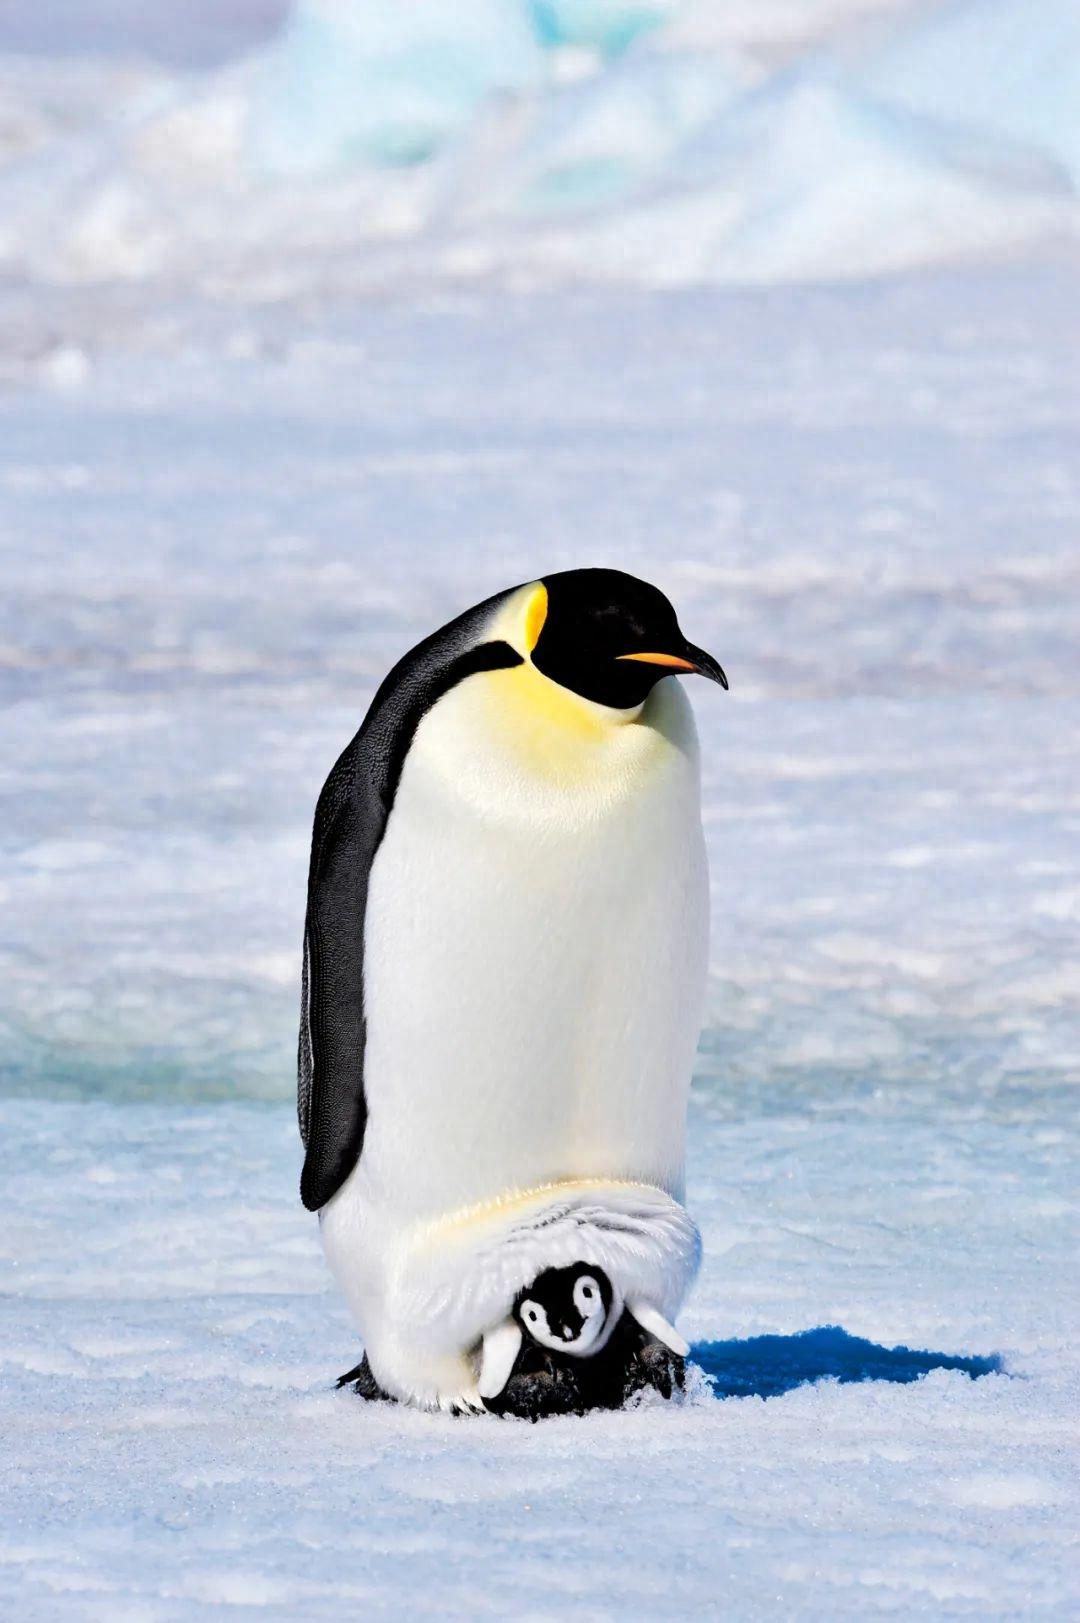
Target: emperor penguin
(504, 961)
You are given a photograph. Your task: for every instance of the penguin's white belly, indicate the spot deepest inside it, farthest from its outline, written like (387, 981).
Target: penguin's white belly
(535, 947)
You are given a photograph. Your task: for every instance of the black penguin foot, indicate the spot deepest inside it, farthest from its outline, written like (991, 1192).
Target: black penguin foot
(364, 1383)
(545, 1383)
(541, 1384)
(652, 1367)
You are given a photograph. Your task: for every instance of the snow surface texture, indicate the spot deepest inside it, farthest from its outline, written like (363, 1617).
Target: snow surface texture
(231, 496)
(545, 141)
(220, 528)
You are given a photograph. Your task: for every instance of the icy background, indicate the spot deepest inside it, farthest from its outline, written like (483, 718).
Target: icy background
(776, 305)
(668, 142)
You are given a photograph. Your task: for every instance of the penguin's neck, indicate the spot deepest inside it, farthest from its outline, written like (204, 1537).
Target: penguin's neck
(546, 730)
(511, 737)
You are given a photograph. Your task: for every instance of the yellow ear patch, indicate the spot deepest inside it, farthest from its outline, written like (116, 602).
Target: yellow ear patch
(535, 615)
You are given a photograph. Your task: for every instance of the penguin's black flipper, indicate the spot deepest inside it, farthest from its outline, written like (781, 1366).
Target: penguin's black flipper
(350, 821)
(331, 1105)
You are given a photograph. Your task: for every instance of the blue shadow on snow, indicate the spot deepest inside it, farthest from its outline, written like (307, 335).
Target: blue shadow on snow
(765, 1366)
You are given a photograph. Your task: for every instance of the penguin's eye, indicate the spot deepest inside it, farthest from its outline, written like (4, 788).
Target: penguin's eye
(586, 1296)
(531, 1315)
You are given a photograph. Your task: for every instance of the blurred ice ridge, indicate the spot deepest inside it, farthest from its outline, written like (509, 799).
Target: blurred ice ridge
(357, 81)
(553, 140)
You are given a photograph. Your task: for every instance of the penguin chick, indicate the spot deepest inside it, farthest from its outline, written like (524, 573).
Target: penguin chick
(569, 1310)
(565, 1310)
(572, 1311)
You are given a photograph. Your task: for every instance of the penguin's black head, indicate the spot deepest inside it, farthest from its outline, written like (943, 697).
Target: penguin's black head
(611, 637)
(566, 1308)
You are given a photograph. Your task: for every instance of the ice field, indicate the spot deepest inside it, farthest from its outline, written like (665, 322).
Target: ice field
(866, 504)
(653, 142)
(232, 492)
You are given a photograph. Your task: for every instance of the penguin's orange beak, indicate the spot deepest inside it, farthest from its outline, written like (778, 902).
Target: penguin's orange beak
(672, 660)
(699, 663)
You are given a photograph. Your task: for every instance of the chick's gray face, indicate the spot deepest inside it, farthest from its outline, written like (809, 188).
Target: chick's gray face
(566, 1309)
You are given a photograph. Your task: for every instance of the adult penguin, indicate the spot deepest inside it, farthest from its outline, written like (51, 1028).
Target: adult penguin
(504, 962)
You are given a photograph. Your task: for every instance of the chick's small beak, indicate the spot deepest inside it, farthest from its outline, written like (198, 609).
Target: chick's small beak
(696, 663)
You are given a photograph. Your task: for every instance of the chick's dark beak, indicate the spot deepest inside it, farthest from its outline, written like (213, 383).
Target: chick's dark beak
(691, 662)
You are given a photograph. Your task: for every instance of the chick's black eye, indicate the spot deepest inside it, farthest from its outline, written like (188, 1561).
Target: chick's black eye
(588, 1293)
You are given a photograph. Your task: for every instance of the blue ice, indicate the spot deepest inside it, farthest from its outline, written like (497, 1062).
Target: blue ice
(606, 26)
(355, 81)
(592, 143)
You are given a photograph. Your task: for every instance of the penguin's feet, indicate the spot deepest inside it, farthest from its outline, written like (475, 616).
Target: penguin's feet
(546, 1383)
(364, 1383)
(652, 1367)
(466, 1402)
(548, 1386)
(632, 1362)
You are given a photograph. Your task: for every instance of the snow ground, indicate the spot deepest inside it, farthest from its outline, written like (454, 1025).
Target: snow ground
(220, 525)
